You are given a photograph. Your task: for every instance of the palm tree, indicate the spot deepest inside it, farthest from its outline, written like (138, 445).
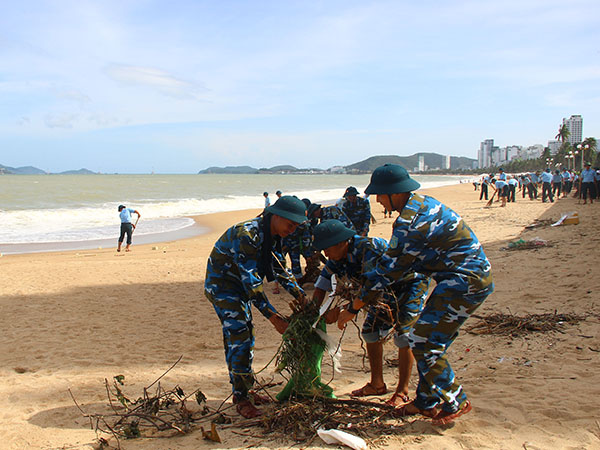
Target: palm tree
(563, 133)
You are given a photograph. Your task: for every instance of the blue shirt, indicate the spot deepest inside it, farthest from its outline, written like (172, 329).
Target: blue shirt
(500, 184)
(534, 178)
(125, 215)
(513, 182)
(546, 177)
(588, 176)
(557, 178)
(502, 176)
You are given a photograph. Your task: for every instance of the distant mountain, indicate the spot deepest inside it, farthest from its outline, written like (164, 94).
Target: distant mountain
(229, 169)
(30, 170)
(27, 170)
(431, 160)
(78, 172)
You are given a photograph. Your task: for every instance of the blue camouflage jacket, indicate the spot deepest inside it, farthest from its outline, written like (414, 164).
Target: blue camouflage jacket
(233, 268)
(431, 239)
(359, 214)
(299, 241)
(363, 254)
(333, 212)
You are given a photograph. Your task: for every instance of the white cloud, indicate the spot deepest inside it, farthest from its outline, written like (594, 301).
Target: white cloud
(157, 79)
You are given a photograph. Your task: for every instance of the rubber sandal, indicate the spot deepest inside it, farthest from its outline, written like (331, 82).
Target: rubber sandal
(393, 401)
(445, 417)
(247, 409)
(260, 399)
(368, 390)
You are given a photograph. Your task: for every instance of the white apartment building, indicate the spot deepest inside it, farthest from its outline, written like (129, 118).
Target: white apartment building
(575, 126)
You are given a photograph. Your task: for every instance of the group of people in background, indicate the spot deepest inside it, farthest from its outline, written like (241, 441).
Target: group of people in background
(429, 242)
(553, 184)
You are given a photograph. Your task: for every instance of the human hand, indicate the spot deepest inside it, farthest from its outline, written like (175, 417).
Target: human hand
(344, 317)
(279, 323)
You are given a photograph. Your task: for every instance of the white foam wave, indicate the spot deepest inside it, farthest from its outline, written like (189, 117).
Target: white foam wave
(102, 221)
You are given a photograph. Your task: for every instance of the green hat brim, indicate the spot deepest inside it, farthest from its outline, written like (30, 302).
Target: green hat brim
(298, 218)
(407, 185)
(343, 235)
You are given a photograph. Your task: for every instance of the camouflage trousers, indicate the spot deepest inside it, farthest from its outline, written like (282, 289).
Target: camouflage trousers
(235, 314)
(398, 312)
(445, 311)
(296, 267)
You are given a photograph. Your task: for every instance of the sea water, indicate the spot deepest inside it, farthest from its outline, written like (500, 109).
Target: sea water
(36, 209)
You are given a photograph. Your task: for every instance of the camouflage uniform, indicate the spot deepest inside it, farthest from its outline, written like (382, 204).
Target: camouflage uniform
(359, 214)
(333, 212)
(432, 239)
(234, 281)
(402, 304)
(296, 244)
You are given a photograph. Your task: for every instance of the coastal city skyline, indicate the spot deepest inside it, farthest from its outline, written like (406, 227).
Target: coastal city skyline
(139, 86)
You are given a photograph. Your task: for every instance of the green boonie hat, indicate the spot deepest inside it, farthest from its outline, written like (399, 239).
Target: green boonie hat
(350, 191)
(329, 233)
(312, 208)
(391, 179)
(289, 207)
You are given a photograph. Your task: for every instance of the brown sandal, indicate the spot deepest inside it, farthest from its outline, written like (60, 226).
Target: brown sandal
(445, 417)
(368, 390)
(397, 400)
(247, 409)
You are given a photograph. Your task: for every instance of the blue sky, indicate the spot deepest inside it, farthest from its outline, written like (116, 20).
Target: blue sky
(175, 87)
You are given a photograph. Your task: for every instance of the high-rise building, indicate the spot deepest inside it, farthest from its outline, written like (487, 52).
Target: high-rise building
(446, 162)
(575, 126)
(421, 163)
(554, 147)
(484, 156)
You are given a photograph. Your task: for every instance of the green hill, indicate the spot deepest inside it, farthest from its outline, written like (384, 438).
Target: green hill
(229, 169)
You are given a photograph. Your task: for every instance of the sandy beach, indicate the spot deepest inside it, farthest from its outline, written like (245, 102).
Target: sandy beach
(71, 319)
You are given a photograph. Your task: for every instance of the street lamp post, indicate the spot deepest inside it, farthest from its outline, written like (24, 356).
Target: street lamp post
(583, 148)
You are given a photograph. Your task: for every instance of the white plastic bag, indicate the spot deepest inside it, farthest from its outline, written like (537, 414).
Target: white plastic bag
(341, 437)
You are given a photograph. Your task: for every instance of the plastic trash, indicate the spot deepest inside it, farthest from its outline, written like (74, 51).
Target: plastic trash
(341, 437)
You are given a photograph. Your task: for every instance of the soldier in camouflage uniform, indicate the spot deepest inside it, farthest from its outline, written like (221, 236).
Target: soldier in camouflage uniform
(320, 213)
(358, 210)
(353, 256)
(430, 238)
(244, 255)
(296, 244)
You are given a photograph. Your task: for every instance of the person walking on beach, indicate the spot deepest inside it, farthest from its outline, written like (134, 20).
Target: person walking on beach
(351, 255)
(126, 226)
(431, 239)
(242, 257)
